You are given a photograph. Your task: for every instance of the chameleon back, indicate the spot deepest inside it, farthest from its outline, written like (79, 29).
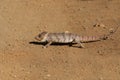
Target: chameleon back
(61, 37)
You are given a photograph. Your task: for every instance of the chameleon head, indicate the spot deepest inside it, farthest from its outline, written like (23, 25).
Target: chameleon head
(42, 36)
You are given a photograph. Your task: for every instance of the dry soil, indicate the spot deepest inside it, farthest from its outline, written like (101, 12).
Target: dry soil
(22, 20)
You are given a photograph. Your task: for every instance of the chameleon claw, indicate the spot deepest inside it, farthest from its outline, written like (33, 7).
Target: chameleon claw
(81, 47)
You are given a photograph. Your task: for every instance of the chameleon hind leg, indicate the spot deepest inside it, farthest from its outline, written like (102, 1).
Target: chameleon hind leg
(80, 45)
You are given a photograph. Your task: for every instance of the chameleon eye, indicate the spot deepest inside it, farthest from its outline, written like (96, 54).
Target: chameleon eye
(39, 35)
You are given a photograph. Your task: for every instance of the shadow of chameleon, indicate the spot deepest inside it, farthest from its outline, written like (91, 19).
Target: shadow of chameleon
(53, 44)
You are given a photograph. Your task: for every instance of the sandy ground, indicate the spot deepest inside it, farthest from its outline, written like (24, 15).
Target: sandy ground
(22, 20)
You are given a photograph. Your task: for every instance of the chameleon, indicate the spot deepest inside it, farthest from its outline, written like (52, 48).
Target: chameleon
(70, 38)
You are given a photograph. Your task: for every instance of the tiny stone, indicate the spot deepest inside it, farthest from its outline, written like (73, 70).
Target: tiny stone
(101, 78)
(102, 25)
(48, 75)
(15, 76)
(9, 44)
(41, 5)
(99, 25)
(111, 30)
(100, 53)
(96, 25)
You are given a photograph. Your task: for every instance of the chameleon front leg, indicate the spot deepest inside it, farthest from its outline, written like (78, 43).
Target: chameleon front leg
(48, 44)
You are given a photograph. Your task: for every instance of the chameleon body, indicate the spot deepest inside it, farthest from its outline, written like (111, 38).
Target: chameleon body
(66, 37)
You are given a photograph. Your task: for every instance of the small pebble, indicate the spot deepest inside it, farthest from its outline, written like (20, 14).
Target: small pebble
(99, 25)
(48, 75)
(101, 78)
(111, 30)
(100, 52)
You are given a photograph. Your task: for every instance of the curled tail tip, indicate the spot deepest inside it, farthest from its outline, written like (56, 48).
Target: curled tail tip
(111, 31)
